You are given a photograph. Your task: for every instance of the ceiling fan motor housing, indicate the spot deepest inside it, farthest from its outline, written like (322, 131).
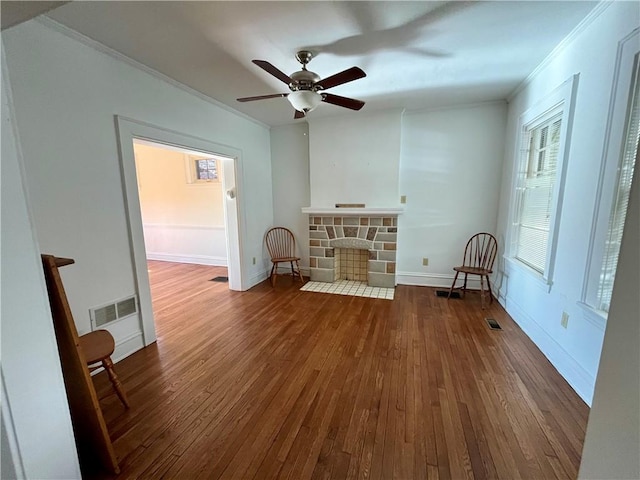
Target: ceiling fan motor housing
(303, 80)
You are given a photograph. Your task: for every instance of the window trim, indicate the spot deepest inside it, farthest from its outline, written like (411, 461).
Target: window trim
(627, 59)
(562, 97)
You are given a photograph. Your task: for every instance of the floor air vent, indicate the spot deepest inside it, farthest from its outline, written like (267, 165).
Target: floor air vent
(445, 293)
(219, 279)
(493, 325)
(113, 311)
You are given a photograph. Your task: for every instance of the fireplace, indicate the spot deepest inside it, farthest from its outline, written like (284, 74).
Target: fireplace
(357, 243)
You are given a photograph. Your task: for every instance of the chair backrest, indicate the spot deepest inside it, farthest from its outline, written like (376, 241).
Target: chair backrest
(280, 243)
(480, 251)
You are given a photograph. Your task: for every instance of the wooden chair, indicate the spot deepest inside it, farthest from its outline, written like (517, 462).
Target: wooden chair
(479, 255)
(98, 347)
(92, 438)
(281, 245)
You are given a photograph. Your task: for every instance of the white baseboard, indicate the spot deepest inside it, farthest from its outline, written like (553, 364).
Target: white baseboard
(183, 258)
(434, 280)
(261, 276)
(256, 278)
(127, 346)
(580, 380)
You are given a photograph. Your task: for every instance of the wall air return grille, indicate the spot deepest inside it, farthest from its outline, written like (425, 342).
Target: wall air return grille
(111, 312)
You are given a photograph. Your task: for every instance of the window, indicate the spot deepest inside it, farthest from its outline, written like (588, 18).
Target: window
(206, 169)
(201, 170)
(620, 202)
(619, 159)
(536, 191)
(538, 181)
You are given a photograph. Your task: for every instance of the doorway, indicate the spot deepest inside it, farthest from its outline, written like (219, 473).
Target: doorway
(230, 170)
(182, 204)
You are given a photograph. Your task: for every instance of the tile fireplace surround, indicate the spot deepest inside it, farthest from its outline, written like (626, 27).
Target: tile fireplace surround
(372, 230)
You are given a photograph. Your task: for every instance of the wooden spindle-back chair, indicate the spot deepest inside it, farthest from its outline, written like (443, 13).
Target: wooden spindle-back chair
(281, 245)
(479, 255)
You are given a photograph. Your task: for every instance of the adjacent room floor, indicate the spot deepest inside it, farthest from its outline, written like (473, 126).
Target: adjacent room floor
(282, 383)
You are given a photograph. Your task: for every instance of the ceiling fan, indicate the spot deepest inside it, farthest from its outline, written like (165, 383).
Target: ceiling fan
(307, 89)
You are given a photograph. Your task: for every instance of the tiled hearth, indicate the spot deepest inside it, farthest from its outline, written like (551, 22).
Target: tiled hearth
(332, 240)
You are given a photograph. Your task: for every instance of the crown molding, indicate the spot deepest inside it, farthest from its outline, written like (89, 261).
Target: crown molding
(586, 22)
(99, 47)
(461, 106)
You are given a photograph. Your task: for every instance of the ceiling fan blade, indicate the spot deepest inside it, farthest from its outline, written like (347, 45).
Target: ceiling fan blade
(298, 114)
(345, 76)
(262, 97)
(267, 67)
(345, 102)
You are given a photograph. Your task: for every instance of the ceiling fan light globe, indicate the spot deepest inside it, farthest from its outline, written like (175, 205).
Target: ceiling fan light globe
(304, 100)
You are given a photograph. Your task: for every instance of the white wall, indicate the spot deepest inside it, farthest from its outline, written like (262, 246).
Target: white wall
(612, 443)
(183, 221)
(66, 95)
(355, 159)
(35, 413)
(574, 351)
(450, 171)
(290, 174)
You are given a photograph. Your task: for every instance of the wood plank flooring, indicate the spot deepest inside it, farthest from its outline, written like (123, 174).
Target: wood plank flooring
(279, 383)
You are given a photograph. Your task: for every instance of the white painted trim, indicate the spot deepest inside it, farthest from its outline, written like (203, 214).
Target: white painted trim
(462, 106)
(578, 378)
(127, 346)
(597, 318)
(363, 212)
(611, 153)
(183, 227)
(188, 258)
(585, 23)
(443, 280)
(127, 131)
(258, 277)
(563, 95)
(539, 281)
(10, 429)
(99, 47)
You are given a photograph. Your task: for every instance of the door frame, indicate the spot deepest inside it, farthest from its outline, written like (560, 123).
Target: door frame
(128, 130)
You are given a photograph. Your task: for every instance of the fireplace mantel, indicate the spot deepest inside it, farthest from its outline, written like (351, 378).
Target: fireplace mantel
(360, 212)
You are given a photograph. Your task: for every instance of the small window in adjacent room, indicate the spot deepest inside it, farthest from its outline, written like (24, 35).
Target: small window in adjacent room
(202, 170)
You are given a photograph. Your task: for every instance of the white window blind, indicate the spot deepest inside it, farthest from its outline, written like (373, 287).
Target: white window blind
(620, 203)
(542, 142)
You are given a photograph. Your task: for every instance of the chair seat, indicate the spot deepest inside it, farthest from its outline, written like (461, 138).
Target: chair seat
(473, 270)
(285, 259)
(97, 346)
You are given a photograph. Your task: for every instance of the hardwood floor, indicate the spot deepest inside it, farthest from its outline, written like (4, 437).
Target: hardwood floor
(279, 383)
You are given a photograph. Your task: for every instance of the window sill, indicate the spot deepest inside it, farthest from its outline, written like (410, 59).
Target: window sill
(541, 282)
(597, 318)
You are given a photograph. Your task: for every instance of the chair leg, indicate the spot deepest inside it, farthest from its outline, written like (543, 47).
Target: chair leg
(117, 386)
(490, 292)
(293, 271)
(482, 291)
(455, 279)
(273, 275)
(464, 287)
(299, 272)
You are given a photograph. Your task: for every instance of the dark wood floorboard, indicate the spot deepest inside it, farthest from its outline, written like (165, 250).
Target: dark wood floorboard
(279, 383)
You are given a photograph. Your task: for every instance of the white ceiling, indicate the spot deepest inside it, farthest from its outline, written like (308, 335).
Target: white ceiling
(416, 54)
